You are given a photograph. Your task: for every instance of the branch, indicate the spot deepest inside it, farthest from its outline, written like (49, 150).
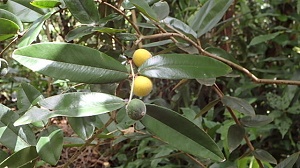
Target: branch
(229, 63)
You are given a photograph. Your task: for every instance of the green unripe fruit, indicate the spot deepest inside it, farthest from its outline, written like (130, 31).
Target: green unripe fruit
(136, 109)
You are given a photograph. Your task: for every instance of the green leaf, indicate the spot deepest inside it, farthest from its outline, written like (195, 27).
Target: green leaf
(288, 162)
(85, 11)
(45, 3)
(126, 36)
(264, 156)
(221, 53)
(50, 144)
(175, 129)
(145, 9)
(20, 158)
(162, 9)
(158, 43)
(12, 17)
(207, 107)
(34, 30)
(8, 29)
(183, 66)
(70, 61)
(108, 30)
(15, 138)
(27, 97)
(24, 10)
(235, 136)
(181, 26)
(84, 127)
(256, 121)
(75, 104)
(79, 32)
(263, 38)
(283, 124)
(238, 104)
(207, 82)
(208, 15)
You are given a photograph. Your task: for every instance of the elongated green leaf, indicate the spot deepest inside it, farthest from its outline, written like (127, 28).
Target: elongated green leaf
(263, 38)
(27, 96)
(8, 29)
(10, 16)
(108, 30)
(221, 53)
(79, 32)
(85, 11)
(33, 31)
(288, 162)
(158, 43)
(162, 9)
(70, 61)
(76, 104)
(256, 121)
(183, 66)
(84, 127)
(238, 104)
(208, 15)
(20, 158)
(50, 144)
(235, 136)
(145, 9)
(181, 26)
(175, 129)
(207, 107)
(264, 156)
(24, 10)
(45, 3)
(15, 138)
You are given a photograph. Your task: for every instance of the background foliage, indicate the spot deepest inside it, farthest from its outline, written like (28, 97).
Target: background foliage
(66, 73)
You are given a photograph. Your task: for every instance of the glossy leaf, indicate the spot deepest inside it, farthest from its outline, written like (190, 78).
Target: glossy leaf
(158, 43)
(207, 107)
(84, 127)
(207, 82)
(181, 26)
(70, 61)
(288, 162)
(183, 66)
(264, 156)
(145, 9)
(79, 32)
(256, 121)
(24, 10)
(208, 15)
(15, 138)
(21, 158)
(162, 10)
(263, 38)
(235, 136)
(8, 29)
(34, 30)
(238, 104)
(50, 144)
(75, 104)
(85, 11)
(126, 36)
(10, 16)
(175, 129)
(45, 3)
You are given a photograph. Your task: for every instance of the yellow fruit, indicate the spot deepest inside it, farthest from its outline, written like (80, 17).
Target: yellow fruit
(142, 86)
(140, 56)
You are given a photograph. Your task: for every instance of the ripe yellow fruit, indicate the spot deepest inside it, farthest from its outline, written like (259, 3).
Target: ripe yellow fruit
(142, 86)
(140, 56)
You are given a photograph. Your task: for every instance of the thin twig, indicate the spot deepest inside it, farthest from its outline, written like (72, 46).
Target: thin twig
(248, 142)
(132, 83)
(229, 63)
(88, 142)
(8, 46)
